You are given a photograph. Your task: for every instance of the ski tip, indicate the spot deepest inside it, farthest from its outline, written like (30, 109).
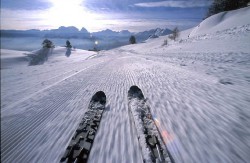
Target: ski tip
(134, 88)
(99, 97)
(135, 91)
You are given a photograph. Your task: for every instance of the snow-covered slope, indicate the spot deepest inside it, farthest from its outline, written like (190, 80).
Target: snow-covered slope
(11, 58)
(223, 21)
(197, 88)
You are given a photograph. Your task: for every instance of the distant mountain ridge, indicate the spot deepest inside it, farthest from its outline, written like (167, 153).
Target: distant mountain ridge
(67, 32)
(153, 33)
(73, 32)
(107, 39)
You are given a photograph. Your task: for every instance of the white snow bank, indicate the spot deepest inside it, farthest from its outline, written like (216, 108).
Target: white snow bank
(12, 57)
(223, 21)
(61, 51)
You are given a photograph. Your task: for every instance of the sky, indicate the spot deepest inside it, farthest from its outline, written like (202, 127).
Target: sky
(97, 15)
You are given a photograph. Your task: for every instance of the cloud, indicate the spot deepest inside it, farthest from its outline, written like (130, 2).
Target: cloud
(45, 19)
(22, 19)
(48, 19)
(138, 19)
(178, 4)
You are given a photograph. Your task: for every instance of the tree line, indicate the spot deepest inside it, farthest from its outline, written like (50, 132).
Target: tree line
(225, 5)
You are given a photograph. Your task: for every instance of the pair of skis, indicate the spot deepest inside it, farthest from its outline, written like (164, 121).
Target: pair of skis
(149, 137)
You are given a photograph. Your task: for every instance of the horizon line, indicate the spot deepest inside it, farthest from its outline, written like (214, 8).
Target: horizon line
(79, 30)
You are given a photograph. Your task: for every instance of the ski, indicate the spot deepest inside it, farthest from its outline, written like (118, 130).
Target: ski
(80, 145)
(149, 137)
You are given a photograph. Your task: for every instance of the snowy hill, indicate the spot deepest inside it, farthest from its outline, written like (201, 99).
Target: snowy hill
(11, 59)
(197, 88)
(223, 21)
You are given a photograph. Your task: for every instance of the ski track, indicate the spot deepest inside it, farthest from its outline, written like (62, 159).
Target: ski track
(39, 127)
(41, 74)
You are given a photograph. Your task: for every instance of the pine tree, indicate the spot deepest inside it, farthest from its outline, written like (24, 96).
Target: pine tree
(47, 44)
(68, 45)
(225, 5)
(132, 40)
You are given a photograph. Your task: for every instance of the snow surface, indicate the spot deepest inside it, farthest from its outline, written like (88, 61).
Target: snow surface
(198, 89)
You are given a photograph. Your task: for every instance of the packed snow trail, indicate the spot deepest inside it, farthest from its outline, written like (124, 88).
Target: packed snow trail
(186, 104)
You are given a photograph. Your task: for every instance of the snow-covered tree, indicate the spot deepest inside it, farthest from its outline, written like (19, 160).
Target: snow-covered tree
(48, 44)
(175, 34)
(42, 55)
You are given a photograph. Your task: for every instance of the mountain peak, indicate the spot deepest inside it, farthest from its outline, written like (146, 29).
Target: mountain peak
(84, 30)
(69, 29)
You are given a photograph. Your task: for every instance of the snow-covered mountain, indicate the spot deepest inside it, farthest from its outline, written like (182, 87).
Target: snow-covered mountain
(153, 33)
(105, 33)
(67, 32)
(197, 88)
(61, 32)
(124, 33)
(139, 35)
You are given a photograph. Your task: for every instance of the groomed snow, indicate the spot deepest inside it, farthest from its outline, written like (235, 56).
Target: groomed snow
(197, 88)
